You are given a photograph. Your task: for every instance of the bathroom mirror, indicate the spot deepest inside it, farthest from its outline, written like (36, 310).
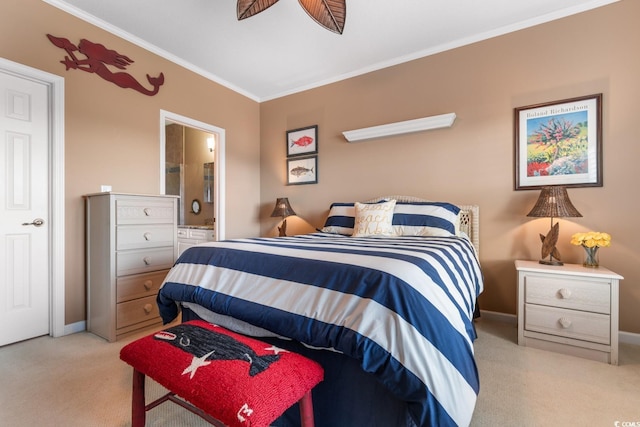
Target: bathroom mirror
(192, 162)
(209, 179)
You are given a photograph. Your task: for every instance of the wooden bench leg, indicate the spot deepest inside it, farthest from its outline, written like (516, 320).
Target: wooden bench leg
(306, 410)
(138, 410)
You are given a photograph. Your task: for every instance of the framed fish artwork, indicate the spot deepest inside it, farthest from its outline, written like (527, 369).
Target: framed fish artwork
(302, 171)
(303, 141)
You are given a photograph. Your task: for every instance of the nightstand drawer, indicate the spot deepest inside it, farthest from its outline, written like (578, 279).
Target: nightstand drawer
(574, 324)
(567, 292)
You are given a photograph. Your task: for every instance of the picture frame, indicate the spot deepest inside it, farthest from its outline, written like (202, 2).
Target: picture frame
(559, 143)
(302, 170)
(302, 141)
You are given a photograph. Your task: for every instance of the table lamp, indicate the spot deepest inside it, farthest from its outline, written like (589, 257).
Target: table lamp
(282, 209)
(553, 202)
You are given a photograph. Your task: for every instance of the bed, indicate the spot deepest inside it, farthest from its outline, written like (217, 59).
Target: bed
(383, 299)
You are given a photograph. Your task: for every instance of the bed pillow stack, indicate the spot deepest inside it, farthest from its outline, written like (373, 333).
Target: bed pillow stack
(409, 219)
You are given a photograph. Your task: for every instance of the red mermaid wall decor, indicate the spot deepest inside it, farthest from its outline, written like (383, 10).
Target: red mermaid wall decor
(98, 59)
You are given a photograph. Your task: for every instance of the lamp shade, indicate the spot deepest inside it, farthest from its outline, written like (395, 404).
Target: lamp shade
(282, 208)
(554, 202)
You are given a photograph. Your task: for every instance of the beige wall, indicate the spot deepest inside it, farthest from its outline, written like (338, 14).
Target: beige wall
(472, 162)
(112, 135)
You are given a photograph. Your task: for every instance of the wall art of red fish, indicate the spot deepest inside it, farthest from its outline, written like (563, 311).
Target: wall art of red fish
(303, 141)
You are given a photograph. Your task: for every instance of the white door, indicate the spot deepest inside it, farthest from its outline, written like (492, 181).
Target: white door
(24, 213)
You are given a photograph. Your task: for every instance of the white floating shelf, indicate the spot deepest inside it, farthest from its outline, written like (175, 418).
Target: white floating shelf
(400, 128)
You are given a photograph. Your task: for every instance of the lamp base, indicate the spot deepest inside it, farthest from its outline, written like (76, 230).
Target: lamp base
(282, 231)
(551, 262)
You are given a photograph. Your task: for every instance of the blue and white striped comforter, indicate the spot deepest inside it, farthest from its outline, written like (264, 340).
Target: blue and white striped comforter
(402, 306)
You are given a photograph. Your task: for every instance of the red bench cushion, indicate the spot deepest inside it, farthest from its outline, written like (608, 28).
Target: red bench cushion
(238, 380)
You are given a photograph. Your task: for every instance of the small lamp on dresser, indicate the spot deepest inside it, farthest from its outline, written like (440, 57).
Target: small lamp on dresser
(282, 209)
(553, 202)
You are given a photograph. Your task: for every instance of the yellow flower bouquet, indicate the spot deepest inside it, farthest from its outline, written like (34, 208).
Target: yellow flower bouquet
(591, 241)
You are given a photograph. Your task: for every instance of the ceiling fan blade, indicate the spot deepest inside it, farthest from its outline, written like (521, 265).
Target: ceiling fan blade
(248, 8)
(331, 14)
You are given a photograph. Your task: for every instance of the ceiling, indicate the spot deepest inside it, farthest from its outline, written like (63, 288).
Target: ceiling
(281, 50)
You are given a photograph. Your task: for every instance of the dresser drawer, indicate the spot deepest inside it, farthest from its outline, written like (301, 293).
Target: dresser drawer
(574, 324)
(144, 261)
(572, 293)
(144, 236)
(136, 311)
(202, 234)
(139, 285)
(144, 211)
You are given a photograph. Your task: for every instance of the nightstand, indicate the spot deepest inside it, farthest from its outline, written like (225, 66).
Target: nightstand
(569, 309)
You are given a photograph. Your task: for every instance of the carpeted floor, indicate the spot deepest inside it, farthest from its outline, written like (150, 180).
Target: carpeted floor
(79, 380)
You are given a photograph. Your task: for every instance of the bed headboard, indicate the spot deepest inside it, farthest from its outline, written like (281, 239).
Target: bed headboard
(469, 217)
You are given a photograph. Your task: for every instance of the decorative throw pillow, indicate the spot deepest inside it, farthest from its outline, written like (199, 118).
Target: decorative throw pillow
(374, 219)
(341, 219)
(426, 219)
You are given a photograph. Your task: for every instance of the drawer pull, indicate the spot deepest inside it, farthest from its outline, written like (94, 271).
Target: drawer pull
(147, 260)
(148, 308)
(564, 322)
(147, 236)
(565, 293)
(147, 211)
(148, 284)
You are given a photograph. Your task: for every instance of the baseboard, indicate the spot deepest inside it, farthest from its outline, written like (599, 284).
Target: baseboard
(499, 317)
(629, 338)
(624, 337)
(75, 328)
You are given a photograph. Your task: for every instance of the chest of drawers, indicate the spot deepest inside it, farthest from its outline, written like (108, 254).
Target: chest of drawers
(131, 244)
(569, 309)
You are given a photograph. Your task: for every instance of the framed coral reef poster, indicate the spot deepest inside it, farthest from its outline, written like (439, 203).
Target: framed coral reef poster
(559, 143)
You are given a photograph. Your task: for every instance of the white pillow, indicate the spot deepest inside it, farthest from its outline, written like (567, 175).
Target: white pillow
(374, 219)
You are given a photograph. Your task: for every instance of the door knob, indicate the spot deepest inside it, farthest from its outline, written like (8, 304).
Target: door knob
(36, 222)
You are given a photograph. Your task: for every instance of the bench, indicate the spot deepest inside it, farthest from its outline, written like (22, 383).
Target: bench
(226, 378)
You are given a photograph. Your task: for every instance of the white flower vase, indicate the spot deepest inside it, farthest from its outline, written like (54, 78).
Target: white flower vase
(591, 258)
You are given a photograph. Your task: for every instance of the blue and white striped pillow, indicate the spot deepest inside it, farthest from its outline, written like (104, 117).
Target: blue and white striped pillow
(341, 219)
(426, 219)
